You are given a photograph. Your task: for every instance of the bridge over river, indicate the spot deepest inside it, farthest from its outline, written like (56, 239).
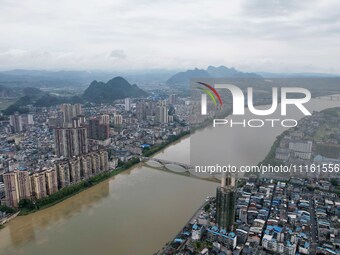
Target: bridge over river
(189, 170)
(177, 168)
(181, 168)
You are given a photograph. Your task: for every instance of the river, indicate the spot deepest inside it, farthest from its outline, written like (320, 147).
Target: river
(135, 212)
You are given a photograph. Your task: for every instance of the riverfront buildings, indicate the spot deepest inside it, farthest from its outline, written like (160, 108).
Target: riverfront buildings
(22, 184)
(60, 147)
(290, 215)
(38, 185)
(315, 141)
(11, 189)
(271, 217)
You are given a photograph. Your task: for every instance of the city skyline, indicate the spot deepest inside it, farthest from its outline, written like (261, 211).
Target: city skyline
(170, 127)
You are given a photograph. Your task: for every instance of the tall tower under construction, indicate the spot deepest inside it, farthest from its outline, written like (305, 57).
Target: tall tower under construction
(225, 203)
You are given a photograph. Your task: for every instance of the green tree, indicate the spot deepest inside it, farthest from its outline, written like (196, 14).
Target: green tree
(335, 182)
(26, 204)
(6, 209)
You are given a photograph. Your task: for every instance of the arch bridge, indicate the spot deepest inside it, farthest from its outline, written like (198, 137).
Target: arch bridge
(180, 168)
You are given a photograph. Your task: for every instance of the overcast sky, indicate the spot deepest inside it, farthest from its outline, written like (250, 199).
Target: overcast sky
(251, 35)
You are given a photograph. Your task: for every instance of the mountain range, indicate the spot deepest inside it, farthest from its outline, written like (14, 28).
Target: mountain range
(116, 88)
(183, 78)
(97, 92)
(8, 92)
(21, 78)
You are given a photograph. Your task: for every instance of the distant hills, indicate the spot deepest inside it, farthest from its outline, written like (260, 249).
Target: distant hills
(97, 92)
(225, 72)
(18, 81)
(36, 97)
(183, 78)
(116, 88)
(7, 92)
(49, 79)
(21, 78)
(297, 75)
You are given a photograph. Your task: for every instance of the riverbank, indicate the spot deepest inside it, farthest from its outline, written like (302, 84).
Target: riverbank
(28, 206)
(162, 146)
(180, 233)
(111, 210)
(7, 219)
(74, 189)
(270, 158)
(324, 129)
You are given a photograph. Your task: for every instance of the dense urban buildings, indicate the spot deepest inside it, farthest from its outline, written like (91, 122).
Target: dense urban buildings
(271, 217)
(315, 141)
(287, 214)
(55, 147)
(18, 122)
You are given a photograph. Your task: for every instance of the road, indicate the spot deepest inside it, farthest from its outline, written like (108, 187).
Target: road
(313, 224)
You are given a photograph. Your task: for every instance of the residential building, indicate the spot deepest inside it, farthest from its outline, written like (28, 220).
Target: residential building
(118, 120)
(74, 170)
(63, 172)
(173, 99)
(51, 180)
(127, 104)
(163, 113)
(11, 189)
(70, 142)
(225, 203)
(97, 129)
(70, 111)
(38, 182)
(24, 184)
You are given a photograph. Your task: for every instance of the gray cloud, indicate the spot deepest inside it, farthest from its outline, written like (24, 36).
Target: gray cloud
(117, 54)
(271, 8)
(264, 35)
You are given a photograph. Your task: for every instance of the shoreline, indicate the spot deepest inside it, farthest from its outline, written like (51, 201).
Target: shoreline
(126, 166)
(129, 165)
(200, 208)
(102, 176)
(8, 219)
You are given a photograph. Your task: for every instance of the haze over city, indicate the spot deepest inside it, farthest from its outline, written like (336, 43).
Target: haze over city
(169, 127)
